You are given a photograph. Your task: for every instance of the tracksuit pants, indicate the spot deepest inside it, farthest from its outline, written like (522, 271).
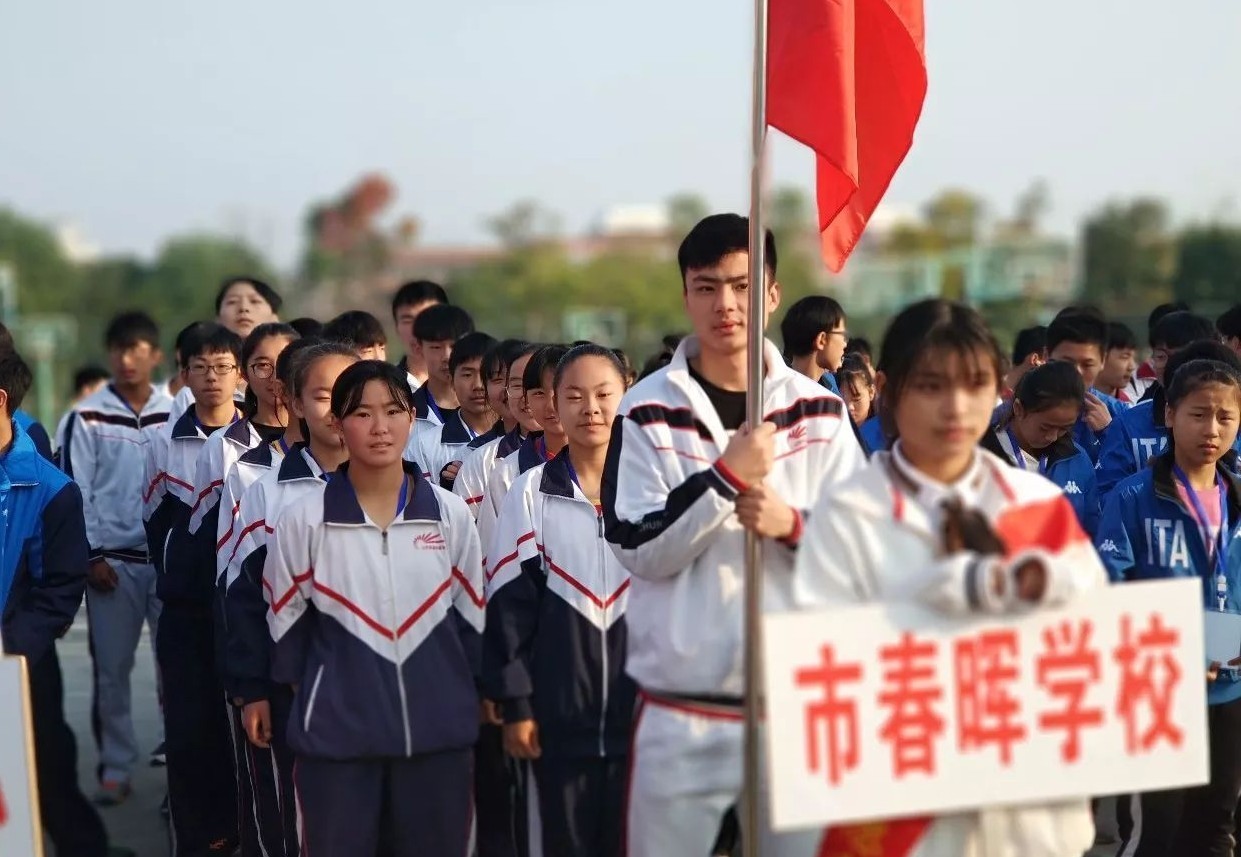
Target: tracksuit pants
(116, 620)
(425, 801)
(202, 785)
(493, 795)
(266, 804)
(580, 806)
(68, 817)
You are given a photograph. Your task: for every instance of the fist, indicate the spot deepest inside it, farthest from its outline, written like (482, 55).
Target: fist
(751, 452)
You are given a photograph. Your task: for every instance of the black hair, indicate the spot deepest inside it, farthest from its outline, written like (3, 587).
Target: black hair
(588, 349)
(1178, 329)
(472, 346)
(1049, 385)
(265, 291)
(416, 292)
(1121, 336)
(1030, 340)
(1229, 324)
(356, 328)
(129, 329)
(501, 356)
(1079, 328)
(627, 365)
(351, 385)
(442, 323)
(91, 373)
(805, 320)
(307, 326)
(1158, 313)
(547, 357)
(1196, 374)
(183, 338)
(6, 338)
(717, 235)
(1203, 349)
(854, 369)
(211, 338)
(1079, 309)
(671, 341)
(859, 345)
(305, 361)
(288, 361)
(256, 337)
(934, 324)
(15, 378)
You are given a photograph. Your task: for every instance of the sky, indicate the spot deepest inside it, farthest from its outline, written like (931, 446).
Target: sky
(140, 119)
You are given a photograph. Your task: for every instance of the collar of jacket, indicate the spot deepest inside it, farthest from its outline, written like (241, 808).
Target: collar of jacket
(455, 431)
(1063, 448)
(260, 455)
(296, 465)
(341, 506)
(528, 456)
(488, 436)
(557, 480)
(1165, 482)
(20, 463)
(242, 433)
(187, 426)
(510, 441)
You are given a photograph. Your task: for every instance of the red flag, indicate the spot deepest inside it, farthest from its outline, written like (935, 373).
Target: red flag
(847, 78)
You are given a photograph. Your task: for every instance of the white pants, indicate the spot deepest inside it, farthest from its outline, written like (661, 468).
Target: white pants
(116, 620)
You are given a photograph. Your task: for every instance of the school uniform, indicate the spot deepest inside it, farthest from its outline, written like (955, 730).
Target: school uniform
(471, 482)
(43, 561)
(670, 518)
(202, 789)
(380, 630)
(410, 378)
(437, 447)
(1065, 463)
(251, 466)
(426, 410)
(36, 432)
(554, 652)
(876, 539)
(530, 453)
(269, 772)
(1141, 382)
(104, 452)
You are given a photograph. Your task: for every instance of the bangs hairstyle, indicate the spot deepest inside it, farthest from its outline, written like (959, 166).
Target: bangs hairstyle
(442, 323)
(501, 356)
(590, 349)
(931, 326)
(1196, 374)
(265, 291)
(307, 359)
(356, 328)
(715, 237)
(1121, 337)
(805, 320)
(1050, 385)
(1080, 327)
(210, 338)
(124, 331)
(418, 292)
(290, 358)
(853, 370)
(546, 358)
(351, 385)
(1203, 349)
(472, 346)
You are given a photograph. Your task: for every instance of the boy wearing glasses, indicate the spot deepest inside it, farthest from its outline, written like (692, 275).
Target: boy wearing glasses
(104, 452)
(201, 787)
(815, 338)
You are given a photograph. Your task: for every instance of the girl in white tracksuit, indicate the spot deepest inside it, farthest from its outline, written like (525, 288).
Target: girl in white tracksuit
(941, 521)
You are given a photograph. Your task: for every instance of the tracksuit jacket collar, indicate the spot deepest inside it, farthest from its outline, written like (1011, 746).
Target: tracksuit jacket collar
(1165, 482)
(19, 466)
(340, 502)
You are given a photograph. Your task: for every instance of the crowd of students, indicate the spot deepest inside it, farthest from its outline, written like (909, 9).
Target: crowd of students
(489, 599)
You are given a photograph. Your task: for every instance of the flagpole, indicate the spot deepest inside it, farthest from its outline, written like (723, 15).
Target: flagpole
(750, 817)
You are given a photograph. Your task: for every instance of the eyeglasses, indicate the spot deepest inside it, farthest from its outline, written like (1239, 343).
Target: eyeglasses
(200, 370)
(843, 334)
(262, 369)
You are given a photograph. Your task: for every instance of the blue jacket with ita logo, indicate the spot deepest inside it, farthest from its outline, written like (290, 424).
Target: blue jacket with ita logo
(1147, 533)
(871, 436)
(1067, 465)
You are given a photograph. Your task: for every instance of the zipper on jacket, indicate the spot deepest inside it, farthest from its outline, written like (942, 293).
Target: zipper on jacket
(385, 546)
(396, 643)
(603, 633)
(310, 703)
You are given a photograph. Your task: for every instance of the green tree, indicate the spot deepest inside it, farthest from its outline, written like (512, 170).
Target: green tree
(46, 280)
(1127, 255)
(1208, 266)
(954, 217)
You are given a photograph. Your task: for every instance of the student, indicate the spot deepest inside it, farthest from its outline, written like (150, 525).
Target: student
(361, 331)
(202, 795)
(243, 303)
(857, 388)
(1036, 435)
(87, 381)
(554, 653)
(1080, 337)
(307, 327)
(1140, 434)
(407, 304)
(441, 452)
(860, 346)
(385, 710)
(1229, 326)
(262, 707)
(174, 387)
(1119, 363)
(1176, 519)
(1029, 350)
(814, 337)
(104, 453)
(435, 331)
(1146, 374)
(682, 483)
(42, 579)
(941, 521)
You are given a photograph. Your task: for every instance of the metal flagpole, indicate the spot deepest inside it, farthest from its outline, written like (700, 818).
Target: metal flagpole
(750, 817)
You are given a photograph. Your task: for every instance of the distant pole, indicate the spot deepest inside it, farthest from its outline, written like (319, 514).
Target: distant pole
(750, 818)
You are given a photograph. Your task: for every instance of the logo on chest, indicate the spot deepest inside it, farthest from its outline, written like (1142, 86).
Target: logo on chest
(430, 542)
(1165, 543)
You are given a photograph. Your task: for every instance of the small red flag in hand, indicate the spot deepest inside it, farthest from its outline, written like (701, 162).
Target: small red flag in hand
(847, 78)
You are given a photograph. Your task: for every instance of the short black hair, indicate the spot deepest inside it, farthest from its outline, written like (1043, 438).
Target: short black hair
(1229, 324)
(15, 379)
(805, 320)
(860, 345)
(265, 291)
(501, 356)
(1080, 328)
(357, 328)
(1159, 312)
(307, 326)
(1178, 329)
(547, 357)
(183, 337)
(717, 235)
(416, 292)
(1196, 374)
(211, 338)
(1049, 385)
(91, 373)
(351, 384)
(131, 328)
(1120, 336)
(1030, 340)
(443, 323)
(1203, 349)
(472, 346)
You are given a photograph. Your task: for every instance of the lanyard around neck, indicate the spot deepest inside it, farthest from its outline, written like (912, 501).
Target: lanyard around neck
(1224, 537)
(1019, 454)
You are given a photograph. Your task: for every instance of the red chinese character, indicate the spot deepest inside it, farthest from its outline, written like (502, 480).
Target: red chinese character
(911, 693)
(987, 710)
(831, 714)
(1066, 669)
(1149, 676)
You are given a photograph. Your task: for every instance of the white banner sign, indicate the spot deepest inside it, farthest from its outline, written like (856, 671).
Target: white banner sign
(19, 817)
(896, 711)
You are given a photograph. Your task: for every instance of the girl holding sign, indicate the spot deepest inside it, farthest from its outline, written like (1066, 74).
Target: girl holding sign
(1177, 518)
(941, 521)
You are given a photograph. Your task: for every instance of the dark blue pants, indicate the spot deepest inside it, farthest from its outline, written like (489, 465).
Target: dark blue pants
(428, 796)
(493, 795)
(267, 805)
(202, 785)
(581, 805)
